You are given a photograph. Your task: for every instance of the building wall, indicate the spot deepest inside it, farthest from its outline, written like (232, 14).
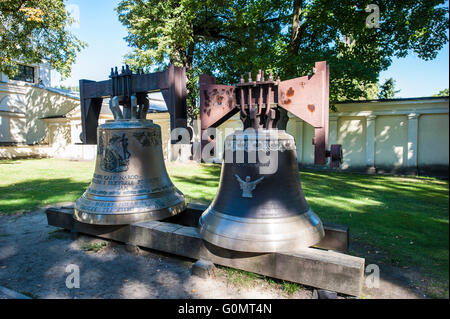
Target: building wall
(408, 135)
(351, 135)
(433, 140)
(22, 108)
(42, 74)
(391, 141)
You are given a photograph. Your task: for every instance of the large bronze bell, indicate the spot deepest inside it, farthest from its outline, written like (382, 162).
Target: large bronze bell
(256, 209)
(130, 181)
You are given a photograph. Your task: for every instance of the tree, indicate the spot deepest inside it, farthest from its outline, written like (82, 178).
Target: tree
(228, 38)
(387, 90)
(443, 92)
(35, 30)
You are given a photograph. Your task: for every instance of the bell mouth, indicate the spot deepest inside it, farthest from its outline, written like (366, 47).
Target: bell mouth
(261, 235)
(117, 218)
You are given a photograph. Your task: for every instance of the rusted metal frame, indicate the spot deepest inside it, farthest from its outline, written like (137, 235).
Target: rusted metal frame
(307, 97)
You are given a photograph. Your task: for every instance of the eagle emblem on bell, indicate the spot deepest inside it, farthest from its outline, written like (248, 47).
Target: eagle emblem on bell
(248, 186)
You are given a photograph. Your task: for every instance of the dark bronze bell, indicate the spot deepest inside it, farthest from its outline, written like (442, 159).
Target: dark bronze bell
(260, 206)
(130, 182)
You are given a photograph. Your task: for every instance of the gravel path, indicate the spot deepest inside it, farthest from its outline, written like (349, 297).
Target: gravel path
(34, 257)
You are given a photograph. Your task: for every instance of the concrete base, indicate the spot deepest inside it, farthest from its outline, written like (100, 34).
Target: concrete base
(318, 268)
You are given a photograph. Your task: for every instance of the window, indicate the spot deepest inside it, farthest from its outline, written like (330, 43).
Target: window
(25, 73)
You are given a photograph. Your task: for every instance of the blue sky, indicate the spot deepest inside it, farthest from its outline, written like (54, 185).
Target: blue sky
(99, 26)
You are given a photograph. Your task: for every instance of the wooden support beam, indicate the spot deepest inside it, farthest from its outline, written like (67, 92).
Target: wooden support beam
(313, 267)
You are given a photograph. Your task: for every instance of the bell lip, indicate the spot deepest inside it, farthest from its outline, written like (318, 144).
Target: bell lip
(257, 241)
(89, 195)
(127, 218)
(124, 124)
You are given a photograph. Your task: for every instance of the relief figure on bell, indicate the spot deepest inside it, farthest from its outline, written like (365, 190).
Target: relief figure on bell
(116, 158)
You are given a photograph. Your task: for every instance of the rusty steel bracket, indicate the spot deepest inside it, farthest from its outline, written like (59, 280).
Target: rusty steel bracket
(263, 104)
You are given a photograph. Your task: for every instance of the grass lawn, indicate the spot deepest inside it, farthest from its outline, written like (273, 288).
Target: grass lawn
(403, 221)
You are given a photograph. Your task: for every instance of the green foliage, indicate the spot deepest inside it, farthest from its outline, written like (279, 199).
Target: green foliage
(387, 90)
(36, 30)
(239, 277)
(228, 38)
(442, 93)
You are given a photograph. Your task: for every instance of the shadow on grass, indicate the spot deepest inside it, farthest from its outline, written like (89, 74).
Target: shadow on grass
(31, 194)
(399, 221)
(405, 220)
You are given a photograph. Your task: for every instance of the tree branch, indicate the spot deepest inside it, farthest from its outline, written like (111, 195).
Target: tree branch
(297, 29)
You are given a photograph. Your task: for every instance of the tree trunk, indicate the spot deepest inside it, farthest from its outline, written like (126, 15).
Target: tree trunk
(296, 33)
(190, 83)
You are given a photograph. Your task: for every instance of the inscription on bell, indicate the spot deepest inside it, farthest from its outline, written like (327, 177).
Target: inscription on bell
(126, 184)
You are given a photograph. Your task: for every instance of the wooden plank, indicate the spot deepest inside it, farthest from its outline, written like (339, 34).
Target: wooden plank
(314, 267)
(336, 235)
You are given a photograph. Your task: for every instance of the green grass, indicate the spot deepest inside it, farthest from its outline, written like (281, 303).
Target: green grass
(404, 220)
(290, 287)
(242, 278)
(238, 277)
(28, 184)
(95, 246)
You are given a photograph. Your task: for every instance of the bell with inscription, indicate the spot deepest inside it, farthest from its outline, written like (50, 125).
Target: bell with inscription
(130, 182)
(260, 206)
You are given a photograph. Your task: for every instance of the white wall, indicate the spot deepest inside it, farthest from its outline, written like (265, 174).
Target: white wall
(405, 134)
